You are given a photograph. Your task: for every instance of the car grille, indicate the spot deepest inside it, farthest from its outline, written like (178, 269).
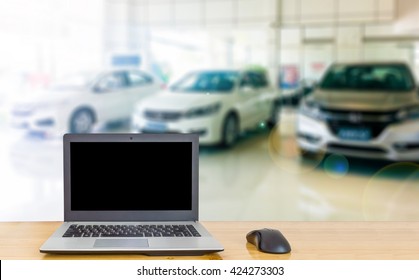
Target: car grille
(162, 115)
(335, 146)
(375, 122)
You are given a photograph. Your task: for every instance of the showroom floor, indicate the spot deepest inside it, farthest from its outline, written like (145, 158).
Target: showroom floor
(261, 178)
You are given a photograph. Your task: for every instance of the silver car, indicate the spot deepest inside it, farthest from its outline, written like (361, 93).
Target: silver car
(77, 103)
(368, 110)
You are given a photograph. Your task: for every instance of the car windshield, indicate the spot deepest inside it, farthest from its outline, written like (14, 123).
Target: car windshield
(76, 81)
(209, 81)
(395, 77)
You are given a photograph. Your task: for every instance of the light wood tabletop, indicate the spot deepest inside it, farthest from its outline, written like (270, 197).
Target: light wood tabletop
(309, 241)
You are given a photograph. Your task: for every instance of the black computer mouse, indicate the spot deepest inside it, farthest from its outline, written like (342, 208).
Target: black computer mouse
(269, 241)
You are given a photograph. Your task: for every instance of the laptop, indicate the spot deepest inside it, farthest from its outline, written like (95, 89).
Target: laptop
(131, 193)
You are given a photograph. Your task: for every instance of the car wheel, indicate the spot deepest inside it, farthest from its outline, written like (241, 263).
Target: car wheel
(81, 121)
(230, 131)
(274, 119)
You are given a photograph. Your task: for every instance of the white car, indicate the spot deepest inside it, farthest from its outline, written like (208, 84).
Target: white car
(368, 110)
(76, 103)
(216, 104)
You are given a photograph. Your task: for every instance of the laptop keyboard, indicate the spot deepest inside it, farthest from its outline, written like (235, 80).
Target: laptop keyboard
(131, 231)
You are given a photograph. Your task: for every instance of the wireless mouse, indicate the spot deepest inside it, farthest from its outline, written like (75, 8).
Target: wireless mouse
(269, 241)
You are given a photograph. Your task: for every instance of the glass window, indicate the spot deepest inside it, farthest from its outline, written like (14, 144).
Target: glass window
(207, 81)
(258, 80)
(254, 79)
(395, 77)
(113, 81)
(137, 79)
(246, 80)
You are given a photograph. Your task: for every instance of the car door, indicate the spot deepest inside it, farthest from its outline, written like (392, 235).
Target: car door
(140, 86)
(247, 100)
(111, 96)
(264, 96)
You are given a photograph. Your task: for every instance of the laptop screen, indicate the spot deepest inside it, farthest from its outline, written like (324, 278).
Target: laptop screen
(131, 177)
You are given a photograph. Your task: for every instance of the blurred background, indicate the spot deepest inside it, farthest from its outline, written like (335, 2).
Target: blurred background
(307, 110)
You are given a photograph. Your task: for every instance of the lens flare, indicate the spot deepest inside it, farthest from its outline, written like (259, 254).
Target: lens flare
(383, 201)
(336, 166)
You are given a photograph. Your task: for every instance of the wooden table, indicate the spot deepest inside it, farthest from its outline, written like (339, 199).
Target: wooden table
(309, 241)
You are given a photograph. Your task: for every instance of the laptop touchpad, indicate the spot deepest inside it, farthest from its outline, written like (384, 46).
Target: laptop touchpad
(121, 243)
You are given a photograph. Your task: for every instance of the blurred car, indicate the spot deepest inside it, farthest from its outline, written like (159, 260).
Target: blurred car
(216, 104)
(293, 97)
(76, 103)
(366, 110)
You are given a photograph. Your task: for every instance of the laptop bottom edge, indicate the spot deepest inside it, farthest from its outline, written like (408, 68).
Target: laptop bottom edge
(140, 252)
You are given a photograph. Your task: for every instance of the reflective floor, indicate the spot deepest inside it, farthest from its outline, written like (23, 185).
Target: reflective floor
(261, 178)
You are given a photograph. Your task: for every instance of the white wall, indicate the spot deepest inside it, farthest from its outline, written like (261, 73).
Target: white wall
(318, 32)
(50, 36)
(312, 33)
(202, 13)
(407, 16)
(239, 32)
(336, 11)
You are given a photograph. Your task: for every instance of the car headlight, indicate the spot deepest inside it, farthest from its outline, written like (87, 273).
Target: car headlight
(311, 109)
(203, 111)
(408, 114)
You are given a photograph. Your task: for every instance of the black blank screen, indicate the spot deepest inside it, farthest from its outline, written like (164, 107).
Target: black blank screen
(131, 176)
